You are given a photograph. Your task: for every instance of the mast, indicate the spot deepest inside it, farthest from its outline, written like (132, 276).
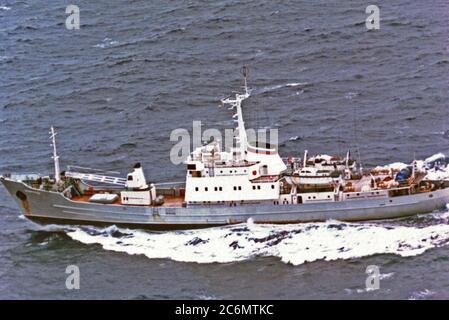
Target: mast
(348, 156)
(241, 138)
(304, 161)
(55, 156)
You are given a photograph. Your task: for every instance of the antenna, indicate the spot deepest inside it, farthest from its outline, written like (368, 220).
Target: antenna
(245, 72)
(55, 156)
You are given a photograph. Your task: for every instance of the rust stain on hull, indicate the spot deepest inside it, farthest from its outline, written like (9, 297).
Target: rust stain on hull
(26, 207)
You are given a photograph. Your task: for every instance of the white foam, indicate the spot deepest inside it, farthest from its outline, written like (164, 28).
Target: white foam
(5, 8)
(280, 86)
(293, 244)
(423, 294)
(106, 43)
(295, 84)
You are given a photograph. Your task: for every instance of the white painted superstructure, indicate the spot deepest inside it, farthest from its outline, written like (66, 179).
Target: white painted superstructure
(245, 173)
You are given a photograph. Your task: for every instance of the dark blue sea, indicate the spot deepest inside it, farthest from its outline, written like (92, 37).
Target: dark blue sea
(136, 70)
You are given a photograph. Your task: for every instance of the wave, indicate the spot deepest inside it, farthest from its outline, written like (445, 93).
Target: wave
(106, 43)
(280, 86)
(292, 244)
(423, 294)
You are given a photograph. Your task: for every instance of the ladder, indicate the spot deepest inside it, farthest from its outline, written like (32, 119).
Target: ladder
(96, 178)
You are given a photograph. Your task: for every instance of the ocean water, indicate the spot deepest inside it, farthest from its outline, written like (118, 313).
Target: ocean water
(136, 70)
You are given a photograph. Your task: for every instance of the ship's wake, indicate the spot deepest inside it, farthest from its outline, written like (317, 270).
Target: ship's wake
(293, 244)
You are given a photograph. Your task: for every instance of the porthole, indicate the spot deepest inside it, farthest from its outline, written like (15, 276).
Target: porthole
(205, 189)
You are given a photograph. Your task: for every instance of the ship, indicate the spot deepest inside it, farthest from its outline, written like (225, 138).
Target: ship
(251, 181)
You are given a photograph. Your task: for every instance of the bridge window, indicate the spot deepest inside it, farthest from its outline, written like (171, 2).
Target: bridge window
(206, 189)
(196, 188)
